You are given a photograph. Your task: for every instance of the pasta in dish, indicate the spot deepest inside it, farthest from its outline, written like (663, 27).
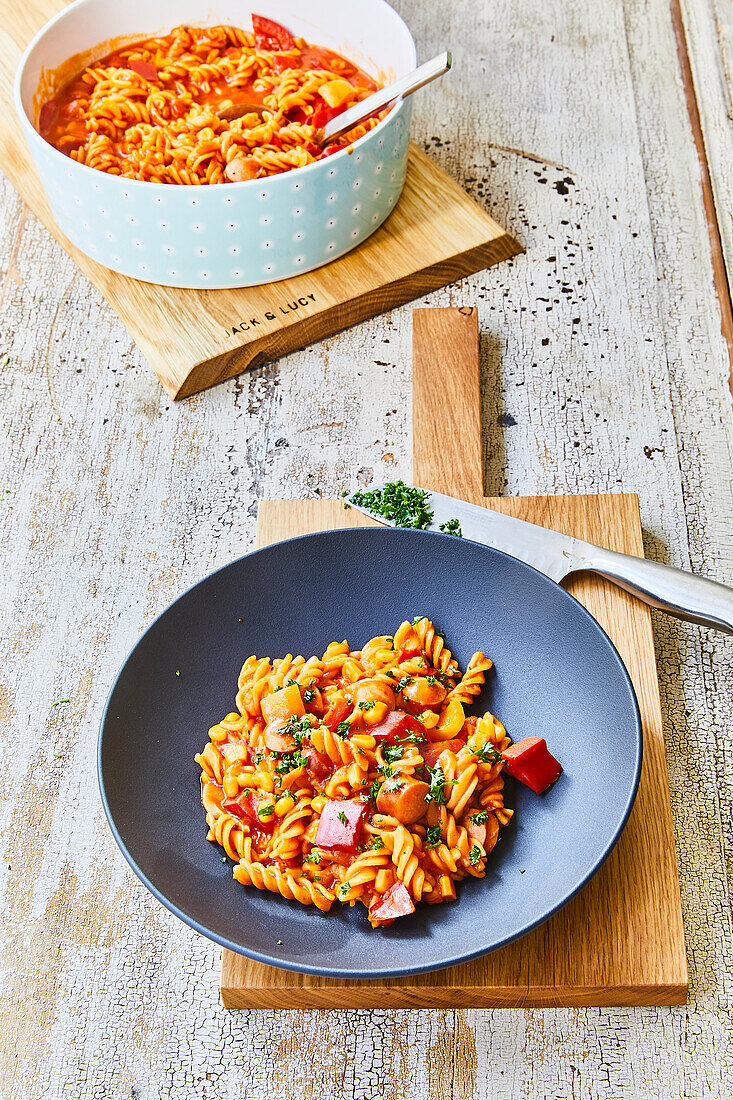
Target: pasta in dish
(151, 110)
(358, 776)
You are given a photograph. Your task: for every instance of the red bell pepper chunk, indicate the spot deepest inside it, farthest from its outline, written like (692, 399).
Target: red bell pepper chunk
(144, 69)
(432, 752)
(340, 825)
(397, 725)
(531, 763)
(49, 114)
(329, 150)
(296, 114)
(245, 808)
(318, 764)
(336, 714)
(396, 902)
(270, 35)
(322, 115)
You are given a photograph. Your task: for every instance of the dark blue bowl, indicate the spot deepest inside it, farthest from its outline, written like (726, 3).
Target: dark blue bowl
(556, 675)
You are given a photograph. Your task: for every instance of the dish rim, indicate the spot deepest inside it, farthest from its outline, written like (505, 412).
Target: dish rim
(152, 186)
(392, 972)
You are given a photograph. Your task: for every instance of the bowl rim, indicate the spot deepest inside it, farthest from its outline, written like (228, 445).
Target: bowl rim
(152, 186)
(417, 968)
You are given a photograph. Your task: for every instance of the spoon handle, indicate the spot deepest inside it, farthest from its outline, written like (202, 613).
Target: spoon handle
(405, 86)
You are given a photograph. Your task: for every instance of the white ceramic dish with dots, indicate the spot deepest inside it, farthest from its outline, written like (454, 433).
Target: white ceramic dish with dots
(235, 234)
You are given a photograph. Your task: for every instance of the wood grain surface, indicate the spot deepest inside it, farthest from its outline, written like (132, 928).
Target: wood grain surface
(620, 942)
(447, 448)
(604, 371)
(195, 338)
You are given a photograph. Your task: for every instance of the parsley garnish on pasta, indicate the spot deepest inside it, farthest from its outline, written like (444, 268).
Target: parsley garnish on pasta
(358, 775)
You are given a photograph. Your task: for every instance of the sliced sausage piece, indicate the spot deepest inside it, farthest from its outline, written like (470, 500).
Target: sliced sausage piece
(403, 799)
(423, 693)
(476, 831)
(240, 169)
(276, 740)
(492, 833)
(365, 691)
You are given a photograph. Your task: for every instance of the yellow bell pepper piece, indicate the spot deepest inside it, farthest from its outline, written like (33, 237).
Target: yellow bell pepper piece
(283, 704)
(336, 92)
(451, 721)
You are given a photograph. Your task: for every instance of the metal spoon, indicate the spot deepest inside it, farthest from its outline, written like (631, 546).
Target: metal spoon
(405, 86)
(228, 114)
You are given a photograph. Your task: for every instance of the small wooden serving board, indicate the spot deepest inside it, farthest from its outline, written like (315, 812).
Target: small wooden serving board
(620, 941)
(195, 338)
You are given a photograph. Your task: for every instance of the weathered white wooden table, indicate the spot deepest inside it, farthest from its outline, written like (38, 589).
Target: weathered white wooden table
(604, 369)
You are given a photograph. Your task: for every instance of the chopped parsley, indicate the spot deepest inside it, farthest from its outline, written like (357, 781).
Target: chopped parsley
(371, 792)
(342, 817)
(431, 679)
(223, 859)
(394, 784)
(369, 704)
(437, 786)
(60, 701)
(403, 683)
(393, 753)
(289, 761)
(432, 837)
(386, 770)
(345, 887)
(313, 857)
(475, 854)
(266, 810)
(480, 817)
(309, 695)
(342, 728)
(297, 728)
(410, 738)
(399, 503)
(488, 754)
(376, 842)
(452, 527)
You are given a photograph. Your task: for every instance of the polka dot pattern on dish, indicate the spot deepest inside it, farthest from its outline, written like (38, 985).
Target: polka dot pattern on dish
(231, 235)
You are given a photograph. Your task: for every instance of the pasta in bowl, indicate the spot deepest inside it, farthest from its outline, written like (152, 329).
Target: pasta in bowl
(159, 109)
(127, 110)
(555, 675)
(358, 776)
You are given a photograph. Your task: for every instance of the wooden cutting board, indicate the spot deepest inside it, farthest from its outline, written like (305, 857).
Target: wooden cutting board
(620, 941)
(195, 338)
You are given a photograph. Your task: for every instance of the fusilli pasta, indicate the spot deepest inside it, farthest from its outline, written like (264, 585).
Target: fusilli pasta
(151, 110)
(357, 776)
